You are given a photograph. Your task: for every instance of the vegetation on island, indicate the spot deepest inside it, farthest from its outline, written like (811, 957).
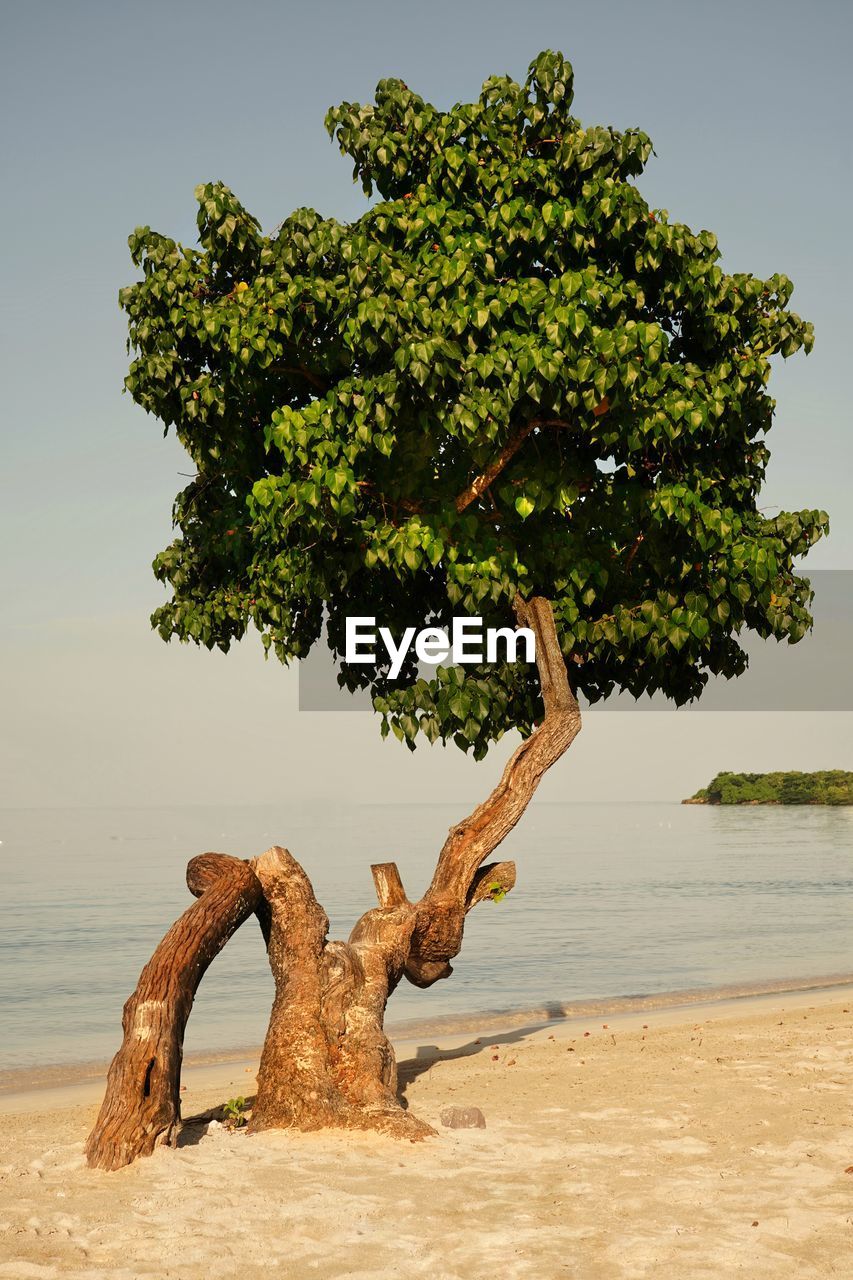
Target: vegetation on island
(827, 786)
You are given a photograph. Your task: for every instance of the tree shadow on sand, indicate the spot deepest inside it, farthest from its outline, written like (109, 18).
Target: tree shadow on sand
(428, 1055)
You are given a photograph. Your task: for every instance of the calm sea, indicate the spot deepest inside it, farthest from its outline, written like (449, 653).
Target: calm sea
(617, 899)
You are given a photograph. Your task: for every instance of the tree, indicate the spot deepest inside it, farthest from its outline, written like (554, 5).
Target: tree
(510, 390)
(826, 786)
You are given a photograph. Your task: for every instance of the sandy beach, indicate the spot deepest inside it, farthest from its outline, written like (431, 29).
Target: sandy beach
(712, 1140)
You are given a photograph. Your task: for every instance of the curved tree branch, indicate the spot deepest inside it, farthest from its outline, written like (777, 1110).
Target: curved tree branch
(440, 915)
(507, 453)
(141, 1107)
(481, 832)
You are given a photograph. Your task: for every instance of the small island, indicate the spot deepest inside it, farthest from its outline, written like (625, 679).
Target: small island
(829, 786)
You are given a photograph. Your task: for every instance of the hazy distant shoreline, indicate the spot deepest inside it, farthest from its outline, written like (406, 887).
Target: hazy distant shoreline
(830, 787)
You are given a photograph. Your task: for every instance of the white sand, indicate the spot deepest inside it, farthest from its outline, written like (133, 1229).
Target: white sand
(711, 1142)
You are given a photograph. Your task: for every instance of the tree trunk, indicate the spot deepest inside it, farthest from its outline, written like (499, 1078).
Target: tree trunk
(326, 1060)
(142, 1105)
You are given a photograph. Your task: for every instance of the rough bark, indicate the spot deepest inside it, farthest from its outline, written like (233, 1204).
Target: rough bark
(141, 1107)
(473, 839)
(326, 1060)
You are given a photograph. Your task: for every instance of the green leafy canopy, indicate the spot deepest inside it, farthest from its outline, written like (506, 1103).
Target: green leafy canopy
(508, 308)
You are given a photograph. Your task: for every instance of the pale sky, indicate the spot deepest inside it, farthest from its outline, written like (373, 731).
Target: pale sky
(111, 113)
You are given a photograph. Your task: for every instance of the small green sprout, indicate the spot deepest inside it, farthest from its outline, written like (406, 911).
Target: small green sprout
(497, 892)
(234, 1113)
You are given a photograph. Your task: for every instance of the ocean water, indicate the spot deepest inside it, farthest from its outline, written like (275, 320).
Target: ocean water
(611, 900)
